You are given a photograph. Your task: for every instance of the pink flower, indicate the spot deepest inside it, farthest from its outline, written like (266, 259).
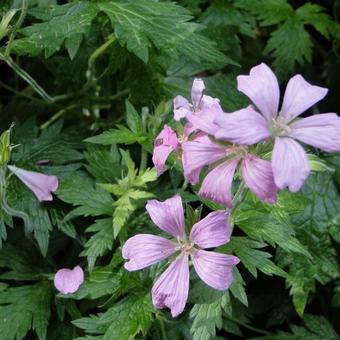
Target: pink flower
(164, 144)
(68, 281)
(248, 126)
(41, 185)
(223, 162)
(172, 287)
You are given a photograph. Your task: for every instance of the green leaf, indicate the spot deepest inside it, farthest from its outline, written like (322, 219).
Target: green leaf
(237, 287)
(133, 119)
(25, 308)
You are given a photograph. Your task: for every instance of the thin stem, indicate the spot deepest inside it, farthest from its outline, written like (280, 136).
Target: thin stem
(57, 115)
(144, 155)
(19, 93)
(162, 327)
(254, 329)
(239, 196)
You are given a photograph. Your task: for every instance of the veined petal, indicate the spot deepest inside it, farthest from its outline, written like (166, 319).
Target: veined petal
(144, 250)
(258, 175)
(172, 287)
(212, 231)
(245, 126)
(168, 215)
(262, 87)
(167, 137)
(197, 92)
(204, 119)
(181, 107)
(68, 281)
(214, 269)
(40, 184)
(289, 163)
(300, 96)
(218, 182)
(199, 153)
(207, 102)
(321, 131)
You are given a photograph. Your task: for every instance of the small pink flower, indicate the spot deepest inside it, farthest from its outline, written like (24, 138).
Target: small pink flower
(248, 126)
(172, 287)
(40, 184)
(68, 281)
(223, 161)
(164, 144)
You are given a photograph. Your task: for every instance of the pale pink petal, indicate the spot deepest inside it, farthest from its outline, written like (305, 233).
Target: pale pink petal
(197, 92)
(214, 269)
(68, 281)
(172, 287)
(300, 96)
(289, 163)
(41, 185)
(322, 131)
(217, 184)
(258, 176)
(181, 107)
(262, 87)
(168, 215)
(204, 119)
(199, 153)
(207, 102)
(164, 144)
(144, 250)
(212, 231)
(245, 127)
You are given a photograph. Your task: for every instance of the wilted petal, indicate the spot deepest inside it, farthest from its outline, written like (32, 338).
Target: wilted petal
(199, 153)
(258, 175)
(262, 87)
(41, 185)
(164, 144)
(212, 231)
(217, 184)
(172, 287)
(204, 119)
(214, 269)
(143, 250)
(300, 96)
(245, 126)
(181, 107)
(68, 281)
(322, 131)
(197, 92)
(168, 215)
(289, 163)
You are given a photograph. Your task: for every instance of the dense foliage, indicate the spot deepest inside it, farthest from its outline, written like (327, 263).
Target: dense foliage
(89, 85)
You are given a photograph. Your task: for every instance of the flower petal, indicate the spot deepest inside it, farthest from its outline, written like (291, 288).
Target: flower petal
(144, 250)
(322, 131)
(258, 175)
(262, 87)
(245, 126)
(181, 107)
(212, 231)
(68, 281)
(300, 96)
(41, 185)
(217, 184)
(172, 287)
(197, 92)
(168, 215)
(214, 269)
(289, 163)
(198, 153)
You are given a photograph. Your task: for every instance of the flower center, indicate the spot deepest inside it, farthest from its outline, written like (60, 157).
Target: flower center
(279, 127)
(185, 247)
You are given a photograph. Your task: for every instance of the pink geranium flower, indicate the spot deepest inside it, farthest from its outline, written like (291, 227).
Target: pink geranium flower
(68, 281)
(248, 126)
(223, 161)
(172, 287)
(40, 184)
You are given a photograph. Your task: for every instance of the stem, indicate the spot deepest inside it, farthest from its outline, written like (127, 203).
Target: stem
(254, 329)
(57, 115)
(239, 196)
(18, 93)
(144, 155)
(161, 323)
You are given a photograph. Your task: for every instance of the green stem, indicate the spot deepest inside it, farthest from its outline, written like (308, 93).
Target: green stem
(254, 329)
(162, 327)
(57, 115)
(144, 155)
(239, 196)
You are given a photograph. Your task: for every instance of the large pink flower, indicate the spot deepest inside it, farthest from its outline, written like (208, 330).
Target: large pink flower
(248, 126)
(223, 161)
(172, 287)
(41, 185)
